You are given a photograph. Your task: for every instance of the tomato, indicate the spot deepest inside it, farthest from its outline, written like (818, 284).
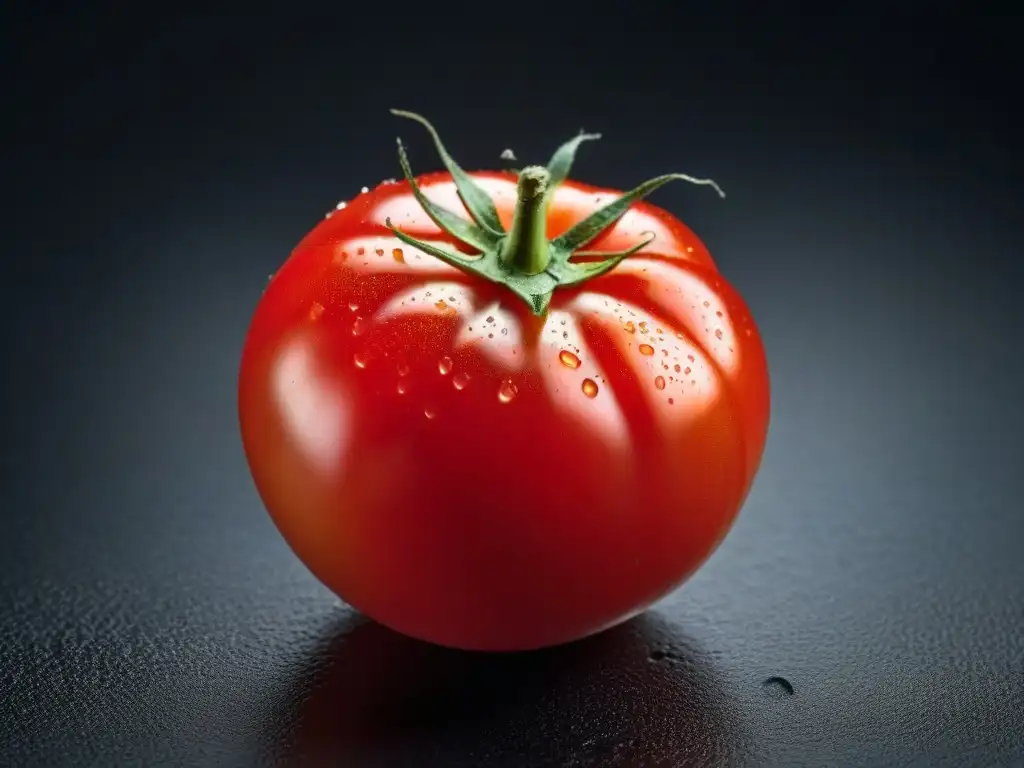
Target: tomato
(509, 450)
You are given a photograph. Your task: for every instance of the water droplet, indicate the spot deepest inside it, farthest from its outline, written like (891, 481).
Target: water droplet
(676, 368)
(441, 304)
(659, 382)
(342, 256)
(630, 327)
(403, 369)
(429, 412)
(358, 326)
(643, 326)
(353, 306)
(340, 205)
(460, 380)
(646, 350)
(364, 190)
(690, 358)
(671, 401)
(397, 255)
(686, 370)
(718, 313)
(490, 318)
(718, 333)
(444, 365)
(360, 251)
(778, 686)
(707, 303)
(359, 360)
(749, 332)
(379, 251)
(402, 387)
(316, 310)
(568, 359)
(504, 331)
(507, 391)
(589, 388)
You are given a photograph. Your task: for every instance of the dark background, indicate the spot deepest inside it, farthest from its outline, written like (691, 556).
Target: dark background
(160, 164)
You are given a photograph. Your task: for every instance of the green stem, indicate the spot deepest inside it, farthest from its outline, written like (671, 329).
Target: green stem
(523, 260)
(527, 250)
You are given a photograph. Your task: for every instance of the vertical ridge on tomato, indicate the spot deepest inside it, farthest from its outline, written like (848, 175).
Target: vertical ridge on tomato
(501, 411)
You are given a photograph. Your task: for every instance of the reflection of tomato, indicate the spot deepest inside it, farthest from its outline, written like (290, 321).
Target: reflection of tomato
(510, 450)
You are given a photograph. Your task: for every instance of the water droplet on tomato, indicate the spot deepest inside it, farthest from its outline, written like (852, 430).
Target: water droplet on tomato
(718, 333)
(364, 190)
(718, 313)
(444, 365)
(630, 327)
(507, 391)
(690, 358)
(460, 380)
(646, 350)
(659, 382)
(643, 326)
(490, 318)
(340, 205)
(749, 332)
(441, 304)
(316, 310)
(568, 359)
(358, 326)
(353, 306)
(671, 401)
(379, 251)
(686, 370)
(402, 387)
(589, 387)
(429, 412)
(359, 360)
(403, 369)
(397, 255)
(707, 303)
(360, 251)
(676, 368)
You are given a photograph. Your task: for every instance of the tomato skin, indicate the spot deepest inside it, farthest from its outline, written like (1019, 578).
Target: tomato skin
(472, 475)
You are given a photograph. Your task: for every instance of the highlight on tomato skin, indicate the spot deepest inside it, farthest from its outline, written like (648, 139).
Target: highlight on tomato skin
(502, 410)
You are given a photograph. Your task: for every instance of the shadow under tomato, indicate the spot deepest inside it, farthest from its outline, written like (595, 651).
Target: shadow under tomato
(638, 694)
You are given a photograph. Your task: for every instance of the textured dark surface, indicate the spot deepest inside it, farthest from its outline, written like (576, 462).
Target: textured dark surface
(868, 608)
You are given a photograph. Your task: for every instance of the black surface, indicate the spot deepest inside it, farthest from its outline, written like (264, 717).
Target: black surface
(868, 607)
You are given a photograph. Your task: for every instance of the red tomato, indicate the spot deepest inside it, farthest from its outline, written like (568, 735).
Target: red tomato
(487, 472)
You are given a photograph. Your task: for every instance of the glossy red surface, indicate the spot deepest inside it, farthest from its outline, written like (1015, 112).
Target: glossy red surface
(469, 474)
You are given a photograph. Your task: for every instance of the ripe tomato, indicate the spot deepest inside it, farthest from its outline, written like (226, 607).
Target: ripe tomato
(509, 450)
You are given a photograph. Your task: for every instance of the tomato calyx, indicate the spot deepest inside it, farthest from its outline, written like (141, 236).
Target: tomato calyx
(523, 259)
